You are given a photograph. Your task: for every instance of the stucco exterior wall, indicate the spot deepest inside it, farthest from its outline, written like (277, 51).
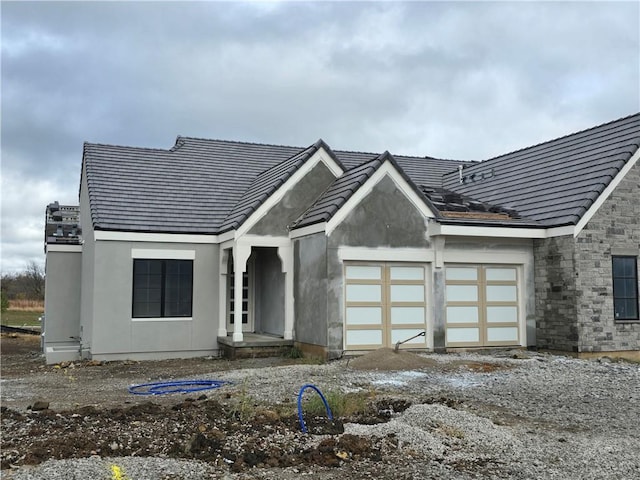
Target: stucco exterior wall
(294, 203)
(87, 283)
(116, 335)
(269, 292)
(62, 301)
(310, 289)
(613, 230)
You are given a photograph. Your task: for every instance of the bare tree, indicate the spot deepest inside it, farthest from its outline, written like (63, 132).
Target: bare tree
(34, 276)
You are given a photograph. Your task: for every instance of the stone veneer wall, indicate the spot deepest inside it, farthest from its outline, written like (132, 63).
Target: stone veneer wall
(613, 230)
(573, 278)
(555, 285)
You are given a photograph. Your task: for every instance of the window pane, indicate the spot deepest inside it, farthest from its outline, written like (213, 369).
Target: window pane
(364, 315)
(407, 315)
(501, 293)
(364, 337)
(459, 273)
(363, 293)
(407, 293)
(462, 293)
(407, 273)
(503, 334)
(462, 314)
(463, 335)
(402, 334)
(502, 314)
(500, 274)
(363, 272)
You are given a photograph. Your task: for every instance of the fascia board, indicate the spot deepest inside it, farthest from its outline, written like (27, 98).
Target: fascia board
(383, 254)
(52, 247)
(606, 193)
(108, 235)
(263, 241)
(308, 230)
(500, 232)
(320, 156)
(386, 169)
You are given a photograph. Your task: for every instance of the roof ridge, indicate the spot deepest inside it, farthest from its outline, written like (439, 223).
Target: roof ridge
(577, 132)
(155, 149)
(239, 142)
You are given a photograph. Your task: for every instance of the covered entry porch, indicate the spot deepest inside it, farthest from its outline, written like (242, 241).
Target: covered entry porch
(256, 297)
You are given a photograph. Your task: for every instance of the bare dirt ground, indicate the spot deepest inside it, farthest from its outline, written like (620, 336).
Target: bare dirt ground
(510, 414)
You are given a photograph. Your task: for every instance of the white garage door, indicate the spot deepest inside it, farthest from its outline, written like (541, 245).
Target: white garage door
(481, 306)
(385, 303)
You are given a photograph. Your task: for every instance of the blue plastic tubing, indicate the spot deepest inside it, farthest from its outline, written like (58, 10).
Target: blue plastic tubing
(182, 386)
(303, 426)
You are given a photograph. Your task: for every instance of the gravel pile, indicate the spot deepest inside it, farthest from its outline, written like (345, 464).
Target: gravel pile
(516, 414)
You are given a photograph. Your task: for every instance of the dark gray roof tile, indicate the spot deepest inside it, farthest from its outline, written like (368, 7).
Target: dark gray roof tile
(554, 182)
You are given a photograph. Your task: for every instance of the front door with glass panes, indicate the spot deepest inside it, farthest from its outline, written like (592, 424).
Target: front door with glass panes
(247, 297)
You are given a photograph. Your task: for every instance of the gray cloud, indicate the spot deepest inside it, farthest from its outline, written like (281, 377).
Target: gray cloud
(457, 80)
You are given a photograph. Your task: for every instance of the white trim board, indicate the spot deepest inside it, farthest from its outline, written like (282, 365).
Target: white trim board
(105, 235)
(308, 230)
(320, 156)
(422, 255)
(386, 169)
(435, 228)
(52, 247)
(163, 254)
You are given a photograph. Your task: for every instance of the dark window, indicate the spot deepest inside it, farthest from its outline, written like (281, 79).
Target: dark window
(162, 288)
(625, 288)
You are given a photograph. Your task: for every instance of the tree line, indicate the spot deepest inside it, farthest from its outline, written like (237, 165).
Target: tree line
(25, 285)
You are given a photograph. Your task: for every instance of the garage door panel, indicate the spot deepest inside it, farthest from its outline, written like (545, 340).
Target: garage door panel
(364, 293)
(364, 316)
(502, 334)
(364, 337)
(462, 315)
(407, 315)
(463, 335)
(502, 293)
(384, 303)
(482, 295)
(363, 272)
(406, 273)
(502, 314)
(402, 334)
(462, 293)
(462, 273)
(500, 274)
(407, 293)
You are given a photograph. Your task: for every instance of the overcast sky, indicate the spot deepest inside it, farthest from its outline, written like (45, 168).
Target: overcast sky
(453, 80)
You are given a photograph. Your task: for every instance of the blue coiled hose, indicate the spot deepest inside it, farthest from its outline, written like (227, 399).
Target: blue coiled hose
(181, 386)
(303, 426)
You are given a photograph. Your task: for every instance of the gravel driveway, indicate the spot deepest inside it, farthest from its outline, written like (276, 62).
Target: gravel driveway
(513, 414)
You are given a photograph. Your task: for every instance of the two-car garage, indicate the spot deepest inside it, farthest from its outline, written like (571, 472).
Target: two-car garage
(389, 302)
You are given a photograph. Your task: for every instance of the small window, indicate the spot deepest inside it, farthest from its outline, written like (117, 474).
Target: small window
(162, 288)
(625, 288)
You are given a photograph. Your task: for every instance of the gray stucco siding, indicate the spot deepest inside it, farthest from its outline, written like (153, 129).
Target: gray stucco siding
(384, 218)
(294, 202)
(310, 289)
(62, 297)
(115, 332)
(269, 292)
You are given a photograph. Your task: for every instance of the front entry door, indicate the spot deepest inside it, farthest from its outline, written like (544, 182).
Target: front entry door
(247, 298)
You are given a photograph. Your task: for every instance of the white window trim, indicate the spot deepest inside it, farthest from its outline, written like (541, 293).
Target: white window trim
(162, 319)
(163, 254)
